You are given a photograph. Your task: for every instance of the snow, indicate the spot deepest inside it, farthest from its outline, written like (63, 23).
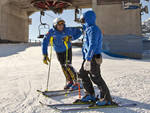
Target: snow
(22, 73)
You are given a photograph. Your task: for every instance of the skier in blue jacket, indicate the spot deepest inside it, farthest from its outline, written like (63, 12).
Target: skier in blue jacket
(92, 59)
(60, 34)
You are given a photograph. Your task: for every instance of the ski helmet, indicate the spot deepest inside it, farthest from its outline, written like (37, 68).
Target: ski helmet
(58, 21)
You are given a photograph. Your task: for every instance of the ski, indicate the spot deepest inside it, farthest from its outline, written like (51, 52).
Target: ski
(60, 105)
(56, 93)
(52, 107)
(69, 104)
(98, 107)
(57, 106)
(84, 106)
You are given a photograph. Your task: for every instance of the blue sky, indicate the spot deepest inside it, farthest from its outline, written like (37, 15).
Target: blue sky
(146, 16)
(68, 16)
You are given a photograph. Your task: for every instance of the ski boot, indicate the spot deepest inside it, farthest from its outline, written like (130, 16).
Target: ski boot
(87, 99)
(68, 85)
(102, 102)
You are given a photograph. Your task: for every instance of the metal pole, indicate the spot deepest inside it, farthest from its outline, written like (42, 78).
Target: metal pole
(49, 68)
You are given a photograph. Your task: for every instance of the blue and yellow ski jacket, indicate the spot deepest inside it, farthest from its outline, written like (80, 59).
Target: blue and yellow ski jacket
(58, 42)
(92, 42)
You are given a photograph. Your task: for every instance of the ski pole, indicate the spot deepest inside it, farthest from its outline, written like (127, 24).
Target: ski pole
(65, 42)
(66, 45)
(78, 83)
(79, 90)
(51, 50)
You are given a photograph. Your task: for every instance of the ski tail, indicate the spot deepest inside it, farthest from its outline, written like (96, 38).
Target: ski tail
(53, 107)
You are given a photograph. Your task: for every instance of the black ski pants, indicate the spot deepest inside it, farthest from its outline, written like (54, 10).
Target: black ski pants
(95, 76)
(68, 70)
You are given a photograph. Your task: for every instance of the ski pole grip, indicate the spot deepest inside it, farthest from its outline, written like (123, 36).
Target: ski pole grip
(51, 41)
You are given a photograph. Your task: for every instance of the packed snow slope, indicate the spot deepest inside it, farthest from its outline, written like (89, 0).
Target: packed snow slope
(22, 72)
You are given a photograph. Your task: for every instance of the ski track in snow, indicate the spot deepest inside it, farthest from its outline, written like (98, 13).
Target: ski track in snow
(22, 72)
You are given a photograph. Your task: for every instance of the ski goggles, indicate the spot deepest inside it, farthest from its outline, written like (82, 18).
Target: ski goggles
(61, 22)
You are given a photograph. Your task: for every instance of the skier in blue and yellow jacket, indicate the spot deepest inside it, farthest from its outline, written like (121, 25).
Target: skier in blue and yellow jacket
(60, 34)
(92, 59)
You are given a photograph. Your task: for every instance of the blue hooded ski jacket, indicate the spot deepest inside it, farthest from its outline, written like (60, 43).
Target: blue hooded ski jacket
(58, 42)
(92, 41)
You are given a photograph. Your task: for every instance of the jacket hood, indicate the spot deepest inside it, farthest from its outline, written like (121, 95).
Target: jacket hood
(89, 17)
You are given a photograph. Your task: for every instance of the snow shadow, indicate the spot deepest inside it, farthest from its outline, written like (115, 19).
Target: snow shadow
(11, 49)
(140, 105)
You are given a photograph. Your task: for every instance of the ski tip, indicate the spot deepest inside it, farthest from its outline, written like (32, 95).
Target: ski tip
(46, 90)
(53, 107)
(41, 103)
(39, 91)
